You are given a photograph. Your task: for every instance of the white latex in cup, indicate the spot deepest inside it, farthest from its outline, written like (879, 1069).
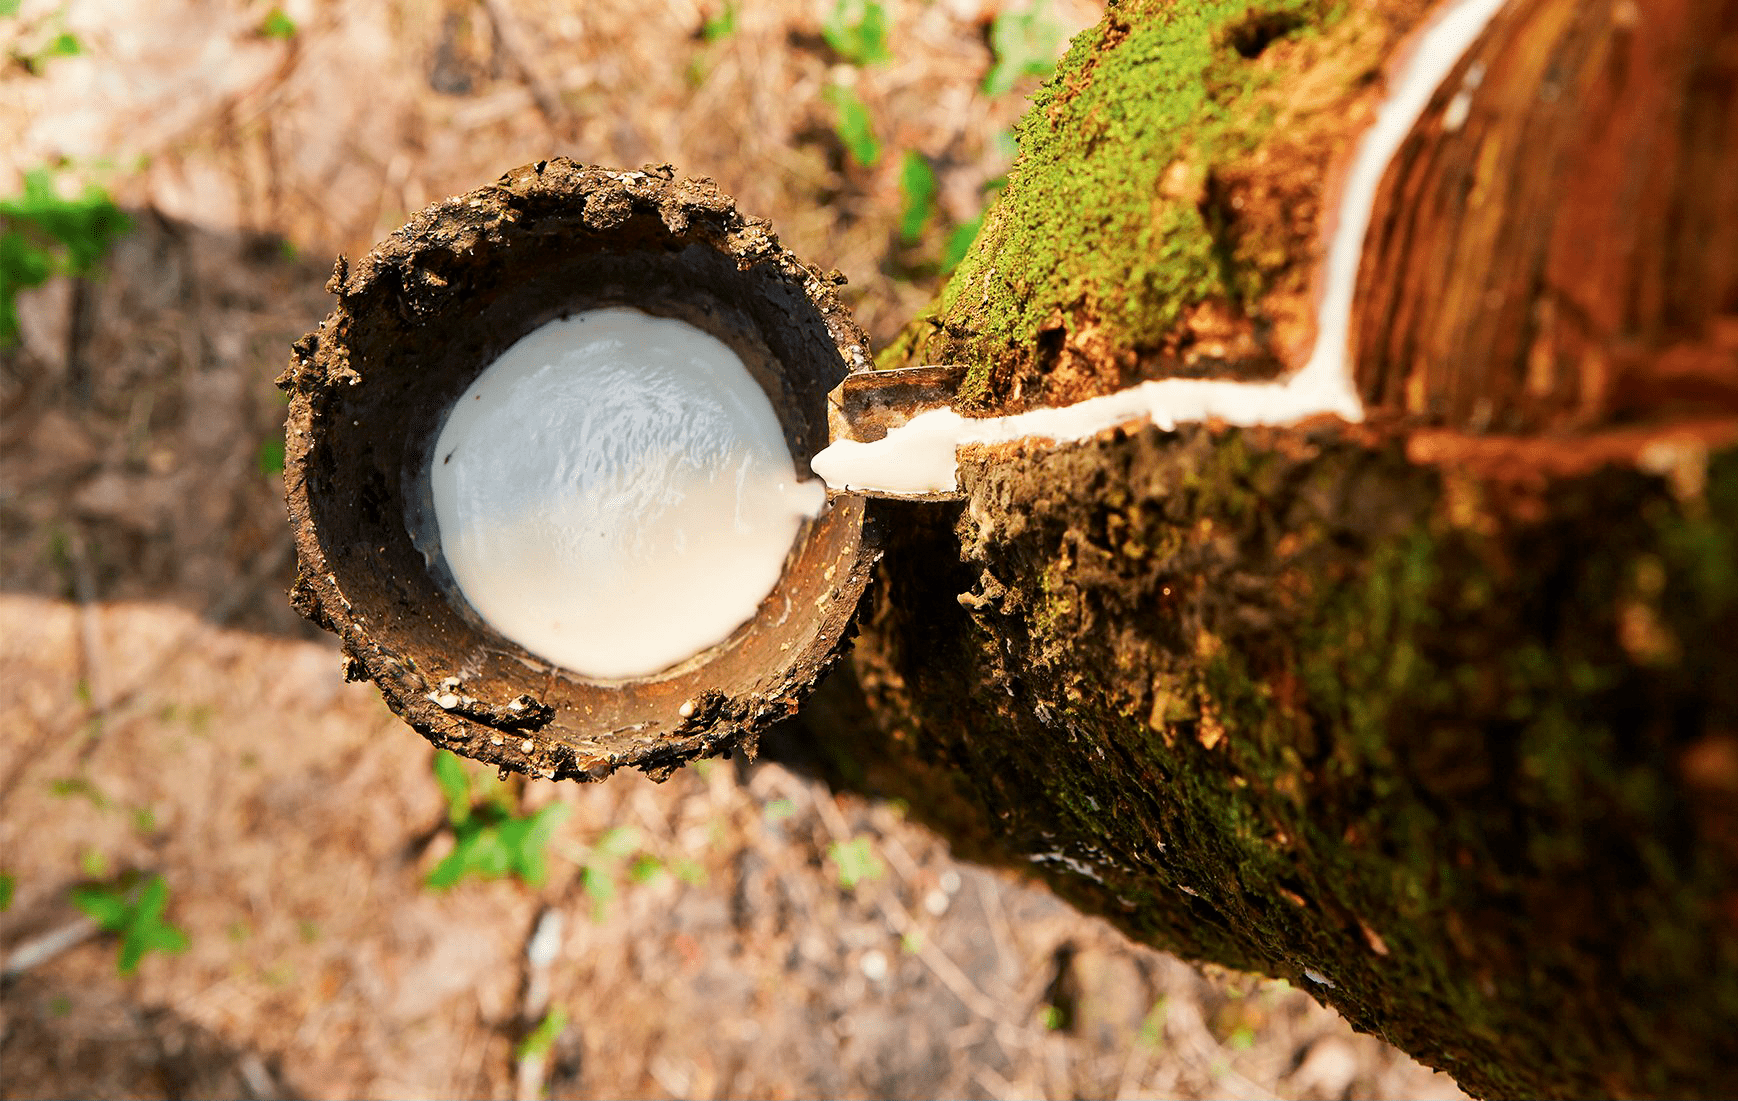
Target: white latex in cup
(615, 493)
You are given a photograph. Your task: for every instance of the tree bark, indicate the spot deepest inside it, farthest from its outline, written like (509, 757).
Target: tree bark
(1435, 715)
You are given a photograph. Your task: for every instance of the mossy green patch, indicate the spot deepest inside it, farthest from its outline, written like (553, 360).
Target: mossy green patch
(1087, 221)
(1318, 723)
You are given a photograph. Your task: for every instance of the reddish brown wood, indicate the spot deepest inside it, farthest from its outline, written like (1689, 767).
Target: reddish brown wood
(1568, 256)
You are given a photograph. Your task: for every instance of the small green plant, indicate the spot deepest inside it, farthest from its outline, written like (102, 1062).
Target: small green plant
(542, 1038)
(43, 235)
(490, 840)
(277, 25)
(1025, 43)
(620, 853)
(722, 25)
(58, 41)
(64, 44)
(856, 861)
(918, 188)
(857, 31)
(135, 914)
(851, 122)
(78, 787)
(645, 869)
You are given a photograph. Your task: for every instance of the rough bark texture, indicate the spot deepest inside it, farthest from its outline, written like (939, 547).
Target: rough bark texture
(1439, 723)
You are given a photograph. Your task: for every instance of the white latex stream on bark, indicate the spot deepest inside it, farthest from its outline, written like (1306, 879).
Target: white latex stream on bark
(918, 457)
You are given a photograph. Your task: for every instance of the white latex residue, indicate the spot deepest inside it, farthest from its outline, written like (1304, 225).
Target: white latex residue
(918, 456)
(615, 494)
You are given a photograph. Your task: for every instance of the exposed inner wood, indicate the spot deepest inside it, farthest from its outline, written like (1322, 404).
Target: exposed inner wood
(1555, 249)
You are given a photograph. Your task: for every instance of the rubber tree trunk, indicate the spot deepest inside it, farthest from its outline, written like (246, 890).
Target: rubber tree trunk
(1435, 715)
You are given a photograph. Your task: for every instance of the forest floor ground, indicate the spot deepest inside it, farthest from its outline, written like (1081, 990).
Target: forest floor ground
(739, 930)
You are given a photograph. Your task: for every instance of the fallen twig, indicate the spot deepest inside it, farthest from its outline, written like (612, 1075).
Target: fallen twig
(39, 949)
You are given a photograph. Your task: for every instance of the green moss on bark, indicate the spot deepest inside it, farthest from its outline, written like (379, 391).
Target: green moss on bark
(1314, 709)
(1452, 749)
(1103, 216)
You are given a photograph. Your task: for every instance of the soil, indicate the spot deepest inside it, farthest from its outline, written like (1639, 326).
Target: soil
(167, 713)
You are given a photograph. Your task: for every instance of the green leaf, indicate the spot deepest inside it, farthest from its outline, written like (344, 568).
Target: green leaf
(68, 786)
(42, 234)
(528, 853)
(132, 951)
(9, 7)
(857, 31)
(1024, 44)
(62, 45)
(152, 899)
(102, 905)
(271, 457)
(721, 25)
(139, 922)
(8, 884)
(488, 853)
(22, 265)
(918, 186)
(856, 861)
(851, 122)
(85, 226)
(543, 1037)
(778, 810)
(448, 872)
(645, 869)
(277, 25)
(597, 883)
(449, 773)
(489, 840)
(959, 242)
